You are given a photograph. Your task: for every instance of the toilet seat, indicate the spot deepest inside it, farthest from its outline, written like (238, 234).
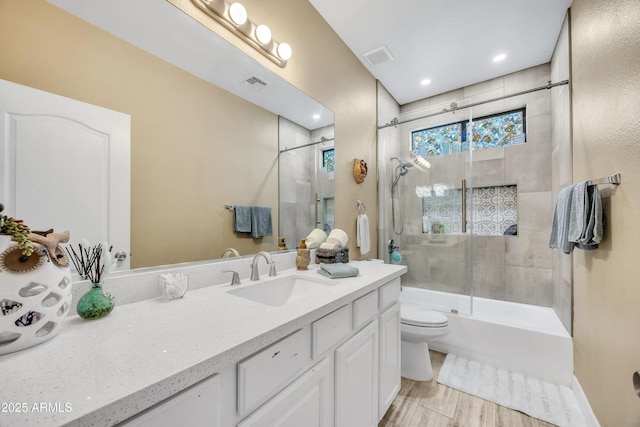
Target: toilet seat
(415, 315)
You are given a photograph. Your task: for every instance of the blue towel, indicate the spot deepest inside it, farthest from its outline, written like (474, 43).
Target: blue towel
(560, 228)
(261, 221)
(242, 219)
(338, 271)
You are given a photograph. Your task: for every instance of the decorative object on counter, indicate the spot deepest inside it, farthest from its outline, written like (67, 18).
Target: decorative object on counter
(173, 285)
(282, 246)
(35, 293)
(18, 231)
(316, 238)
(338, 271)
(93, 263)
(304, 256)
(363, 238)
(360, 170)
(332, 256)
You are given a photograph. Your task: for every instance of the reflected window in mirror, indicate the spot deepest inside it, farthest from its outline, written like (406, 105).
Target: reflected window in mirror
(328, 214)
(328, 160)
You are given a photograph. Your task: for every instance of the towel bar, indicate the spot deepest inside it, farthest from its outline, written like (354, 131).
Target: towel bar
(614, 179)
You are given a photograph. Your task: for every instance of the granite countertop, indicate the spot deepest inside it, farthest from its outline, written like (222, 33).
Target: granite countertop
(104, 371)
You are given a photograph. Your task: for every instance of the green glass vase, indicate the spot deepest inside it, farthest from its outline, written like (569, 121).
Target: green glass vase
(96, 303)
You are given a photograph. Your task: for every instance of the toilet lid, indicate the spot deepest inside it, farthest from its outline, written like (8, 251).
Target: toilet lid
(419, 316)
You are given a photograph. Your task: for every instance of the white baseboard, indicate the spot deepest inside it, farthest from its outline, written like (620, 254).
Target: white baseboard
(585, 407)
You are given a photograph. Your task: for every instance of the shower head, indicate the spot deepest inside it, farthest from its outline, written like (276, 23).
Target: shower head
(403, 164)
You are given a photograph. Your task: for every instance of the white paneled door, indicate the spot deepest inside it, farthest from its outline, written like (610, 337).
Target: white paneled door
(66, 165)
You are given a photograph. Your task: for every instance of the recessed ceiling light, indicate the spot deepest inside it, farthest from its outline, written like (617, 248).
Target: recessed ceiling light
(425, 82)
(499, 58)
(316, 116)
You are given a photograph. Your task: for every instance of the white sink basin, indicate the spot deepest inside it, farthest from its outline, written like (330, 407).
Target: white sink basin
(278, 292)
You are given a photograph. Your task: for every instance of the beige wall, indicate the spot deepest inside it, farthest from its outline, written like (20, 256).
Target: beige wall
(184, 168)
(605, 46)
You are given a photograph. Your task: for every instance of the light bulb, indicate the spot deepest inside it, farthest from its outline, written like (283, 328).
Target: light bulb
(238, 13)
(263, 34)
(284, 51)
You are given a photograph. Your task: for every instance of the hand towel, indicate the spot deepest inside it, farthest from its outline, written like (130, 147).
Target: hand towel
(560, 226)
(261, 221)
(338, 236)
(363, 239)
(242, 219)
(316, 238)
(338, 271)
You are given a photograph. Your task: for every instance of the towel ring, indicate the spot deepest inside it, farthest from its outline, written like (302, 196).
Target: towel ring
(362, 208)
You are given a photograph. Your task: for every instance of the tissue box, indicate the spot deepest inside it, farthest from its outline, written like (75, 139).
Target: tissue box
(332, 256)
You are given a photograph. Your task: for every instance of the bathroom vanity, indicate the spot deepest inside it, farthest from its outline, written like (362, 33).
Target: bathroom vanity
(220, 357)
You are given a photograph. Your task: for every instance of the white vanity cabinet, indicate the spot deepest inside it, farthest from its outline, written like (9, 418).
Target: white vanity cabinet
(342, 369)
(389, 378)
(357, 379)
(197, 406)
(306, 402)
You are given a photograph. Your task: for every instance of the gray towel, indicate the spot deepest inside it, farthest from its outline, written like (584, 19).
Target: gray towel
(242, 219)
(585, 227)
(261, 221)
(338, 271)
(561, 217)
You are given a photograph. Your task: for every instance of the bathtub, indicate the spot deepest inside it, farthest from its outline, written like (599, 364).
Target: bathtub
(517, 337)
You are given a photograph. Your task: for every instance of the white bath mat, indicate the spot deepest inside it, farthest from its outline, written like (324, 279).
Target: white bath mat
(548, 402)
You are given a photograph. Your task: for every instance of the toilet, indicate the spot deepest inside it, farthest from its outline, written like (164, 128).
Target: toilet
(418, 326)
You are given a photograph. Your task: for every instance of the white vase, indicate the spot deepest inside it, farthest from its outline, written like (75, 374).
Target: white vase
(33, 304)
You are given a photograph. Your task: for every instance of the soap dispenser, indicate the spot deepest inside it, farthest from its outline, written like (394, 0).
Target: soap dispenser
(304, 256)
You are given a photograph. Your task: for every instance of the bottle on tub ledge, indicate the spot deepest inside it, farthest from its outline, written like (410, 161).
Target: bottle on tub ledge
(304, 256)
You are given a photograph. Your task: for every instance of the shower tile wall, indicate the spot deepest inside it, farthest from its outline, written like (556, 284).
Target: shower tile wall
(513, 268)
(492, 210)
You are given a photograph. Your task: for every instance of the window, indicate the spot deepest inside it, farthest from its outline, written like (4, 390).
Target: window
(328, 159)
(497, 130)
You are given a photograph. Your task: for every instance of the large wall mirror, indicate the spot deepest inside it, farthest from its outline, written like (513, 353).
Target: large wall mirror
(167, 32)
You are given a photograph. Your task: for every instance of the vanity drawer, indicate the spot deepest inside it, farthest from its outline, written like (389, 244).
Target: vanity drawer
(389, 293)
(266, 372)
(364, 309)
(330, 330)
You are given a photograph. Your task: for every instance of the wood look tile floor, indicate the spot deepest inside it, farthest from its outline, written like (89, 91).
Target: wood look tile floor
(427, 403)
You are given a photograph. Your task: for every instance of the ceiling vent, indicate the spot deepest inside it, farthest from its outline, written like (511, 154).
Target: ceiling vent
(378, 56)
(255, 82)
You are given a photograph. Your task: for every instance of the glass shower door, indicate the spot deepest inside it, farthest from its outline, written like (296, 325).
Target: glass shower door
(437, 239)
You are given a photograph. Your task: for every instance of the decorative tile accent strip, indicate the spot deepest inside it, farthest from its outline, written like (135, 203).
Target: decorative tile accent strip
(491, 210)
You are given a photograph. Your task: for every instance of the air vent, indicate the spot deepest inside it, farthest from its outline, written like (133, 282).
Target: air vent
(255, 81)
(378, 56)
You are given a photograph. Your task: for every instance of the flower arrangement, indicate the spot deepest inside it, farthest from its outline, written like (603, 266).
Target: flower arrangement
(93, 263)
(18, 232)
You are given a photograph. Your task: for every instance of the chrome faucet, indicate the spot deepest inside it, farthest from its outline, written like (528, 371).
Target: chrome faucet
(255, 275)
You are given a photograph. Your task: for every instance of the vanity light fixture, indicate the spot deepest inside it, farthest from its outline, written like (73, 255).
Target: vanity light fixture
(234, 17)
